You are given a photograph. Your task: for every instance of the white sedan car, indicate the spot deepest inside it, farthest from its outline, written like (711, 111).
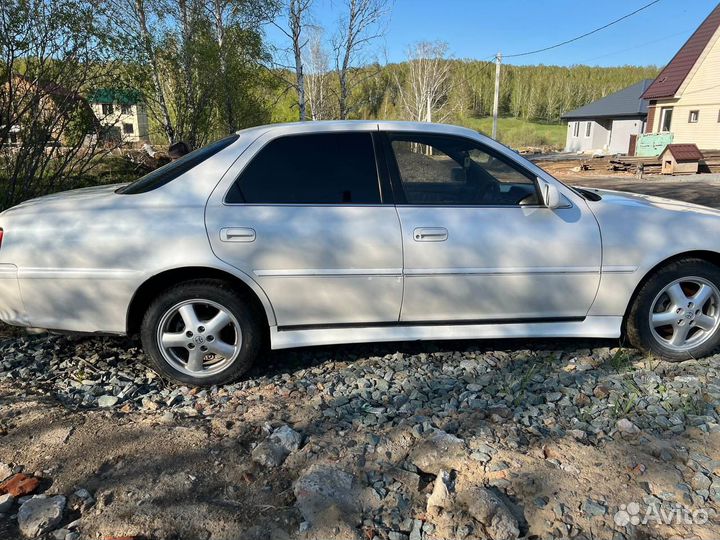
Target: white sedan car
(347, 232)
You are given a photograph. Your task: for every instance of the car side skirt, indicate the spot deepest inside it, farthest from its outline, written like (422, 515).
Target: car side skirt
(589, 327)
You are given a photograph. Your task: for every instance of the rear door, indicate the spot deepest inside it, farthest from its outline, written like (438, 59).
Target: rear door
(303, 215)
(478, 245)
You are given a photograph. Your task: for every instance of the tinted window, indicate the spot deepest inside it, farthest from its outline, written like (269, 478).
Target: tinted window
(455, 171)
(325, 168)
(163, 175)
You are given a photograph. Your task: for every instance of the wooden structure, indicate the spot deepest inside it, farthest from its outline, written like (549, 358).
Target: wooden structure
(680, 159)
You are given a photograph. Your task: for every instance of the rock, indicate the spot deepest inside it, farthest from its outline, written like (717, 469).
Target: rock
(700, 482)
(409, 479)
(441, 493)
(626, 426)
(6, 502)
(287, 438)
(107, 401)
(40, 514)
(322, 487)
(272, 451)
(19, 485)
(581, 400)
(601, 391)
(593, 508)
(439, 451)
(5, 471)
(416, 532)
(490, 511)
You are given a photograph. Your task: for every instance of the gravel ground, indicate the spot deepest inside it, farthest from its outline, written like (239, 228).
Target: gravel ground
(399, 441)
(412, 441)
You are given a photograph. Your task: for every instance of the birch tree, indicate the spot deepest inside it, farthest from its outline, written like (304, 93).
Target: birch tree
(424, 95)
(362, 23)
(317, 76)
(295, 27)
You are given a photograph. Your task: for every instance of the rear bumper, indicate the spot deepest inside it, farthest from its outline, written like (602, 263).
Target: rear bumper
(12, 309)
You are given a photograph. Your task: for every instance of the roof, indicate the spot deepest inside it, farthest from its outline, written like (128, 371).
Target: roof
(684, 152)
(670, 79)
(123, 96)
(626, 102)
(317, 126)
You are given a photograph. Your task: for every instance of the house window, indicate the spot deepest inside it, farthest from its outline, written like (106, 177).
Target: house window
(665, 119)
(588, 126)
(128, 129)
(693, 117)
(107, 108)
(576, 128)
(718, 116)
(126, 109)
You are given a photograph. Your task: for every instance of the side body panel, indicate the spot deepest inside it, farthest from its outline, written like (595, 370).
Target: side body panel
(318, 264)
(92, 249)
(640, 232)
(500, 263)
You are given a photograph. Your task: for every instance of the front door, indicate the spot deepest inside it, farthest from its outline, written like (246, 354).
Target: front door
(305, 220)
(478, 245)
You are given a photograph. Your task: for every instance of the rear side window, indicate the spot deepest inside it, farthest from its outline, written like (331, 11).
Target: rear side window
(323, 168)
(167, 173)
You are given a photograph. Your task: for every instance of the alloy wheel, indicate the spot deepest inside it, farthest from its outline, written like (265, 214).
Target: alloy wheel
(199, 337)
(685, 313)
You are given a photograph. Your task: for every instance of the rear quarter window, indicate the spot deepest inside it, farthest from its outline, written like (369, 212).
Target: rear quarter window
(168, 173)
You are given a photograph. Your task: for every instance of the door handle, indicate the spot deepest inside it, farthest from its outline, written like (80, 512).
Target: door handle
(237, 234)
(430, 234)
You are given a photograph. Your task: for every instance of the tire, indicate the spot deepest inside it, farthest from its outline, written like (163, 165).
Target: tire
(207, 351)
(670, 304)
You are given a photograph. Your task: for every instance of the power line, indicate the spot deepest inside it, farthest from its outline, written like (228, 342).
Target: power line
(639, 45)
(583, 35)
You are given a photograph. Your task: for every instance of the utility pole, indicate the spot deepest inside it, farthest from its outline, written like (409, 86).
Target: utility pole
(496, 99)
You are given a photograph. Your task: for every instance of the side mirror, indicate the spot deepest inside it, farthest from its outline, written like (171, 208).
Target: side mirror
(550, 194)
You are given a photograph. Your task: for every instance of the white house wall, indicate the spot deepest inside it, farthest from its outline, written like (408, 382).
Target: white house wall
(596, 141)
(621, 131)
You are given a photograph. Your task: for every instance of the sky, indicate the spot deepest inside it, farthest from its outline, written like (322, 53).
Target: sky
(477, 29)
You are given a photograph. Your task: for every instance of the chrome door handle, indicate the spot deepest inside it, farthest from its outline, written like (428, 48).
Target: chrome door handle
(237, 234)
(430, 234)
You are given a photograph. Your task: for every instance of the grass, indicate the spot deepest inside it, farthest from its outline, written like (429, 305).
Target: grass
(518, 133)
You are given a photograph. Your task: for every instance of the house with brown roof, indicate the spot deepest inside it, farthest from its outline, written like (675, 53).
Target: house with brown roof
(684, 99)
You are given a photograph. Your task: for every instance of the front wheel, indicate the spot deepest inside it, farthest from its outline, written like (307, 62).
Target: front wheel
(201, 333)
(676, 314)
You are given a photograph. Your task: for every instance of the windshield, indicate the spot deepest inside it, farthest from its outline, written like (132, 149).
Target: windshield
(167, 173)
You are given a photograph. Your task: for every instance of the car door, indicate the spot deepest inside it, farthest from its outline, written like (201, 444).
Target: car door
(478, 245)
(303, 215)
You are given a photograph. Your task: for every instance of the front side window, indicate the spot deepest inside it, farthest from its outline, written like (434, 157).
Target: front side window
(438, 170)
(321, 168)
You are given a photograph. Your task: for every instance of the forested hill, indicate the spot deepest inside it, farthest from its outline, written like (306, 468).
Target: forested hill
(537, 93)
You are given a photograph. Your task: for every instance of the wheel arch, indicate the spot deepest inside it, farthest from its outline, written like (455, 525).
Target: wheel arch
(712, 257)
(162, 281)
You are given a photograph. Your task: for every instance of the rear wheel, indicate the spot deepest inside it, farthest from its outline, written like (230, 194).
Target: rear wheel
(201, 333)
(676, 314)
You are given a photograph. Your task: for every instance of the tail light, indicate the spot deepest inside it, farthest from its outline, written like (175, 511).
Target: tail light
(1, 235)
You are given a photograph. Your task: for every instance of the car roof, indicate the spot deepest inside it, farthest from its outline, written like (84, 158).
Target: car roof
(319, 126)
